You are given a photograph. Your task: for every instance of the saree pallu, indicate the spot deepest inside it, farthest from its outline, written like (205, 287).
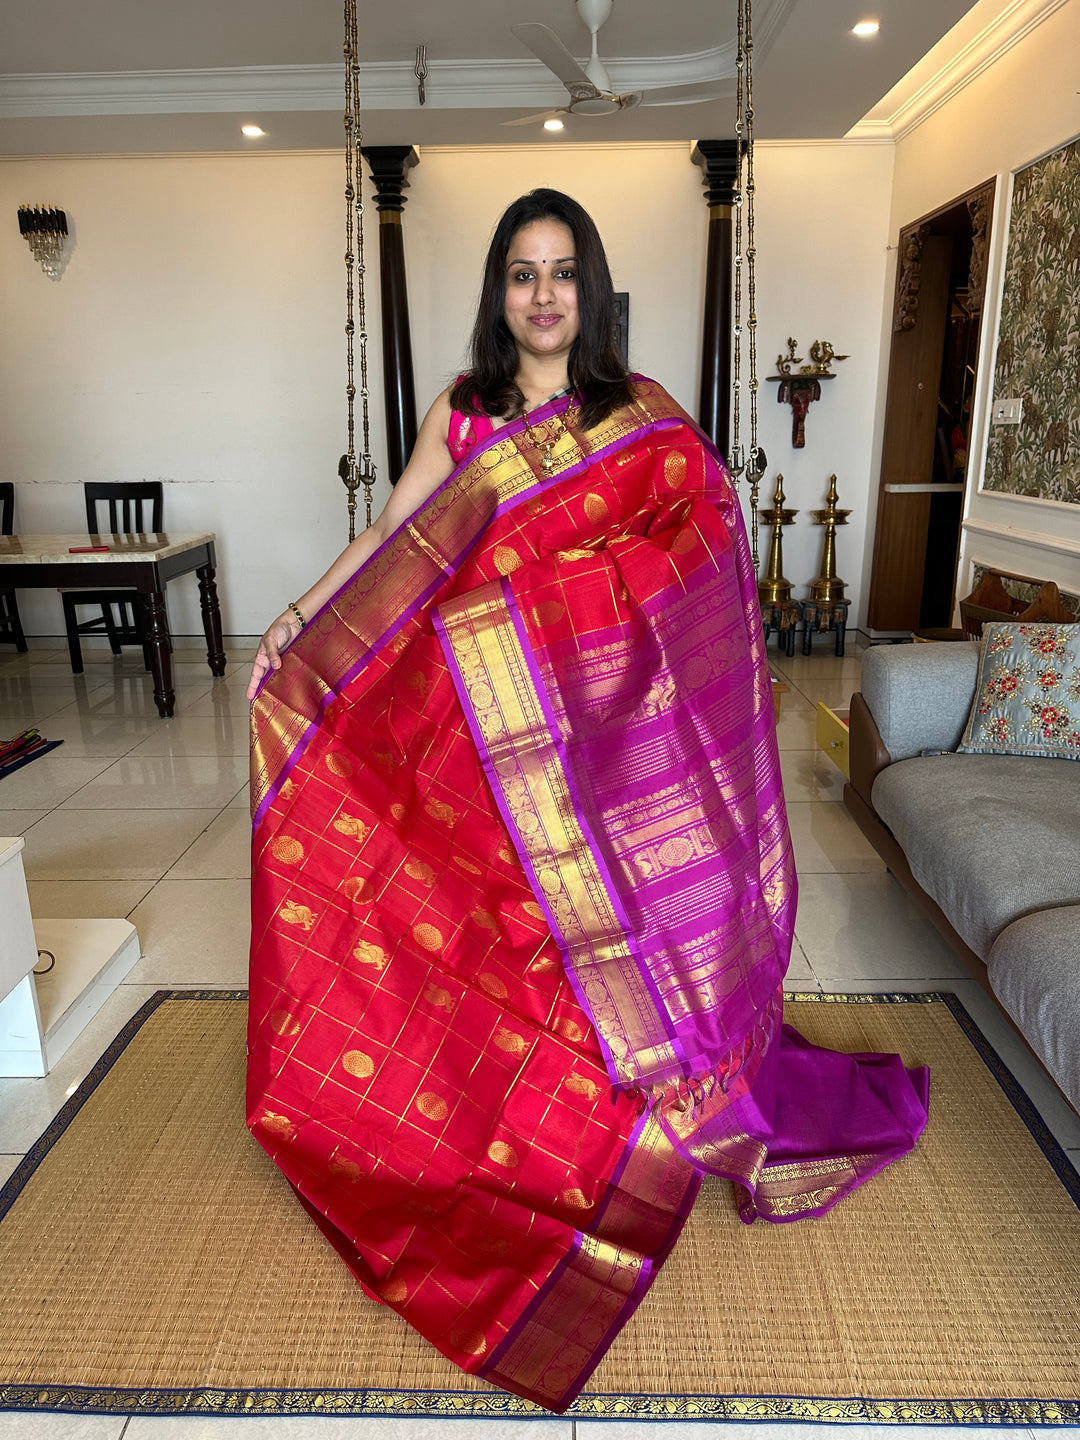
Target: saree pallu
(523, 900)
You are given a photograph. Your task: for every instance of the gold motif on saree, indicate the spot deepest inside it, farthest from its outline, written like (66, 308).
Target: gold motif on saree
(548, 612)
(506, 559)
(574, 1199)
(471, 1342)
(349, 825)
(660, 697)
(286, 849)
(369, 954)
(596, 507)
(384, 757)
(467, 865)
(428, 937)
(543, 964)
(438, 810)
(418, 681)
(294, 914)
(357, 889)
(397, 812)
(394, 1291)
(280, 1126)
(345, 1170)
(284, 1024)
(339, 764)
(493, 985)
(492, 1245)
(564, 1026)
(485, 919)
(432, 1106)
(502, 1154)
(582, 1085)
(358, 1064)
(437, 996)
(510, 1041)
(420, 870)
(674, 469)
(532, 908)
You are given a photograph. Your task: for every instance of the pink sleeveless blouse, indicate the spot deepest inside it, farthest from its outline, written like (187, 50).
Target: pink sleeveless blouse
(465, 432)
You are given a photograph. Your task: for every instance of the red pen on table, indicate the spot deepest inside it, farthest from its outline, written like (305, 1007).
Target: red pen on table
(88, 549)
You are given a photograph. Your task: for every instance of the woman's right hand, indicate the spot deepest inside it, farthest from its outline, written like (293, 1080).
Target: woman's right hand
(268, 656)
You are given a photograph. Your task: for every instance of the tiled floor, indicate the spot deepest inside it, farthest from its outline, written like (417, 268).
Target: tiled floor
(146, 818)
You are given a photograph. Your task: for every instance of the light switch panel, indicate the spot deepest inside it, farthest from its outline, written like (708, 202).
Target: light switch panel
(1007, 412)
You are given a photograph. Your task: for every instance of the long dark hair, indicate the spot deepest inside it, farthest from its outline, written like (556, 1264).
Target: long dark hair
(594, 369)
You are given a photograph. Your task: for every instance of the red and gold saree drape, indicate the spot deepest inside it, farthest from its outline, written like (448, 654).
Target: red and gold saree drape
(523, 899)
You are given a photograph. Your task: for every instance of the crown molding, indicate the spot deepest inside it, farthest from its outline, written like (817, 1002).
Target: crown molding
(1016, 20)
(507, 84)
(1035, 540)
(269, 89)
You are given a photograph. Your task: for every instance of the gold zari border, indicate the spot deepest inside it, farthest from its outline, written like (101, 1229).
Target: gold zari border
(529, 774)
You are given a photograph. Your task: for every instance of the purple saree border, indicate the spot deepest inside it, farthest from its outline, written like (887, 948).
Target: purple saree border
(650, 1266)
(515, 427)
(529, 657)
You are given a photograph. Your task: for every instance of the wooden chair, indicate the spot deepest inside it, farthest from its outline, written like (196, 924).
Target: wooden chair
(130, 506)
(11, 631)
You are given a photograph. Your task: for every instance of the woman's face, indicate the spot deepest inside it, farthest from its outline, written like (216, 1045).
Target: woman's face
(541, 307)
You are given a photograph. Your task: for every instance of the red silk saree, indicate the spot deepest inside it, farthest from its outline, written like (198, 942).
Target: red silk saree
(523, 899)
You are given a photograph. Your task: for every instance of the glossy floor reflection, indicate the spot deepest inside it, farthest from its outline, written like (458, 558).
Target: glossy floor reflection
(146, 818)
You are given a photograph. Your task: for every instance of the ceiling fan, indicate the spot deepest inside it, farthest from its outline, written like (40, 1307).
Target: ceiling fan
(590, 89)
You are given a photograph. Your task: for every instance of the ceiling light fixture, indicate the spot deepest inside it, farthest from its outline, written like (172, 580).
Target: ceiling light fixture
(252, 130)
(553, 125)
(866, 27)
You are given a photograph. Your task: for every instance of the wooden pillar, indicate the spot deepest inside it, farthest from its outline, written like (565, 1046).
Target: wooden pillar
(718, 160)
(388, 164)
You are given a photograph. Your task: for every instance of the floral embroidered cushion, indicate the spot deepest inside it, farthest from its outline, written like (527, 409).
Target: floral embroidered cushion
(1027, 698)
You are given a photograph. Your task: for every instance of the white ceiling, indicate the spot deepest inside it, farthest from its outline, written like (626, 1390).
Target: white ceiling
(93, 76)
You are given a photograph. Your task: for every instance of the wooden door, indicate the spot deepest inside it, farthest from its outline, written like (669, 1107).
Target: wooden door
(911, 411)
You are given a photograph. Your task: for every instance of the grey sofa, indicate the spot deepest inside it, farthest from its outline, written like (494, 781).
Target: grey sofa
(989, 845)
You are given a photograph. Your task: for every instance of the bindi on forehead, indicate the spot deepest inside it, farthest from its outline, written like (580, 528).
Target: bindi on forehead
(562, 260)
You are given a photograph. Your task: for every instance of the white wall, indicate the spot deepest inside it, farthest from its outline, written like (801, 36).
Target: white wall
(1019, 108)
(822, 232)
(196, 334)
(195, 337)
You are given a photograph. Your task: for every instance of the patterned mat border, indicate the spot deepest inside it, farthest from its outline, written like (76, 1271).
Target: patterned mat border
(495, 1404)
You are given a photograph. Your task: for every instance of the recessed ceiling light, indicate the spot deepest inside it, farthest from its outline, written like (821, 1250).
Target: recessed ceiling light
(553, 125)
(866, 27)
(252, 130)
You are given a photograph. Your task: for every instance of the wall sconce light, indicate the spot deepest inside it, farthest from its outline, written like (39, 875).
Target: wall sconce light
(45, 229)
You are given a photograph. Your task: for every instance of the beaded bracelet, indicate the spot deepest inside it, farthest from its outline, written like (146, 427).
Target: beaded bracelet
(296, 612)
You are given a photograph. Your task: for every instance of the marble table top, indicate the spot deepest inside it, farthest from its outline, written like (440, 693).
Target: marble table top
(52, 549)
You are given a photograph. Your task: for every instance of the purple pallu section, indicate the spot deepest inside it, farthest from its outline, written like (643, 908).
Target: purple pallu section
(663, 728)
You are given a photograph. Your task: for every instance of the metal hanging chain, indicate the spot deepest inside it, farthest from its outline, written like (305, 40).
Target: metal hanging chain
(355, 473)
(753, 463)
(736, 461)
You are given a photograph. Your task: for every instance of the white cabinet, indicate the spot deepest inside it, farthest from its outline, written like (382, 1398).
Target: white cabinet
(40, 1015)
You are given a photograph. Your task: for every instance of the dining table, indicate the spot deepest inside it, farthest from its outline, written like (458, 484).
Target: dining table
(146, 563)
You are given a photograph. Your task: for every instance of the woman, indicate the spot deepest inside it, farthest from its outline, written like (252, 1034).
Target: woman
(523, 888)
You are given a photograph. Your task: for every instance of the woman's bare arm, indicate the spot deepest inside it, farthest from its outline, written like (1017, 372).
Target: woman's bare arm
(428, 467)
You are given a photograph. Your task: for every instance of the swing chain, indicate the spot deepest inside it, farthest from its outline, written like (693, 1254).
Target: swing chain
(754, 463)
(352, 471)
